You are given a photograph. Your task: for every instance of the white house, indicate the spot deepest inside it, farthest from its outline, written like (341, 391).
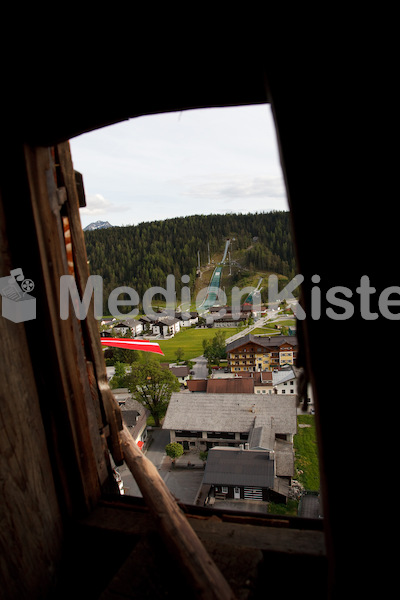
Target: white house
(121, 328)
(276, 382)
(187, 318)
(108, 322)
(166, 326)
(135, 326)
(284, 381)
(181, 372)
(130, 326)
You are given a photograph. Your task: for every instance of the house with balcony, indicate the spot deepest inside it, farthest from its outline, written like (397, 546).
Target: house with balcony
(258, 353)
(166, 326)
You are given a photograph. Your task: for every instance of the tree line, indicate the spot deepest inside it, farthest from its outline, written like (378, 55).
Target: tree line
(141, 256)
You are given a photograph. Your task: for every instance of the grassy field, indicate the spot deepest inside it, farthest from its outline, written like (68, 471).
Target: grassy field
(191, 340)
(306, 453)
(265, 331)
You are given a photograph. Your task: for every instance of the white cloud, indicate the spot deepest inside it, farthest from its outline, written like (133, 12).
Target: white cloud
(96, 204)
(228, 188)
(175, 164)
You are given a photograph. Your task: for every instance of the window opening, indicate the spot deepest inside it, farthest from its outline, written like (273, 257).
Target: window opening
(204, 187)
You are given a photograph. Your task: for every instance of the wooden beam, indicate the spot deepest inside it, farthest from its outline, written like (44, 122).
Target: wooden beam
(63, 341)
(204, 576)
(89, 325)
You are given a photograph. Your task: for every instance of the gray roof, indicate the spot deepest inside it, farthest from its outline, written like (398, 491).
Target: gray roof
(130, 417)
(284, 458)
(182, 371)
(231, 412)
(261, 437)
(134, 416)
(167, 321)
(264, 342)
(283, 375)
(229, 466)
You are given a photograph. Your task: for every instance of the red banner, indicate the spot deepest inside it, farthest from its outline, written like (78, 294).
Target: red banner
(130, 344)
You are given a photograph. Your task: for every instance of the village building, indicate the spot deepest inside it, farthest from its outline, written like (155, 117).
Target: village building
(241, 474)
(187, 319)
(284, 381)
(279, 381)
(259, 353)
(236, 385)
(232, 385)
(181, 372)
(130, 326)
(146, 323)
(230, 318)
(108, 322)
(135, 326)
(203, 421)
(104, 334)
(134, 415)
(121, 328)
(166, 326)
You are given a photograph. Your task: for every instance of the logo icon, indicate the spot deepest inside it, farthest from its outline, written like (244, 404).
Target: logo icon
(17, 304)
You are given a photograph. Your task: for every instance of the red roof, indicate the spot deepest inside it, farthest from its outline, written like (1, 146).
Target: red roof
(235, 385)
(197, 385)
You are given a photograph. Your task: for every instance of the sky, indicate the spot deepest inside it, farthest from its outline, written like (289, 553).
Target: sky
(205, 161)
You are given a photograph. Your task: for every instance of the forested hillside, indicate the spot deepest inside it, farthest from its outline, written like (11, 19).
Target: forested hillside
(141, 256)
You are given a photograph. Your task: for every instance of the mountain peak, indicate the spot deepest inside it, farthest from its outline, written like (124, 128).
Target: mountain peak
(97, 225)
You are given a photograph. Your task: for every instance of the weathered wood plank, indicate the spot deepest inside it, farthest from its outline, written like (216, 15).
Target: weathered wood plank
(30, 523)
(89, 326)
(67, 362)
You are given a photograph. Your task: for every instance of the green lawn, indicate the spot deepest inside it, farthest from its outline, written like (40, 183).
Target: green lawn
(306, 463)
(284, 323)
(306, 453)
(289, 509)
(191, 340)
(265, 331)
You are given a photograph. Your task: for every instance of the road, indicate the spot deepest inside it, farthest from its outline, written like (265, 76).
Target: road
(271, 314)
(184, 484)
(156, 450)
(200, 368)
(155, 453)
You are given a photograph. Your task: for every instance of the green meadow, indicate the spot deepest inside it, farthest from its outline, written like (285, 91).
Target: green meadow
(306, 453)
(191, 341)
